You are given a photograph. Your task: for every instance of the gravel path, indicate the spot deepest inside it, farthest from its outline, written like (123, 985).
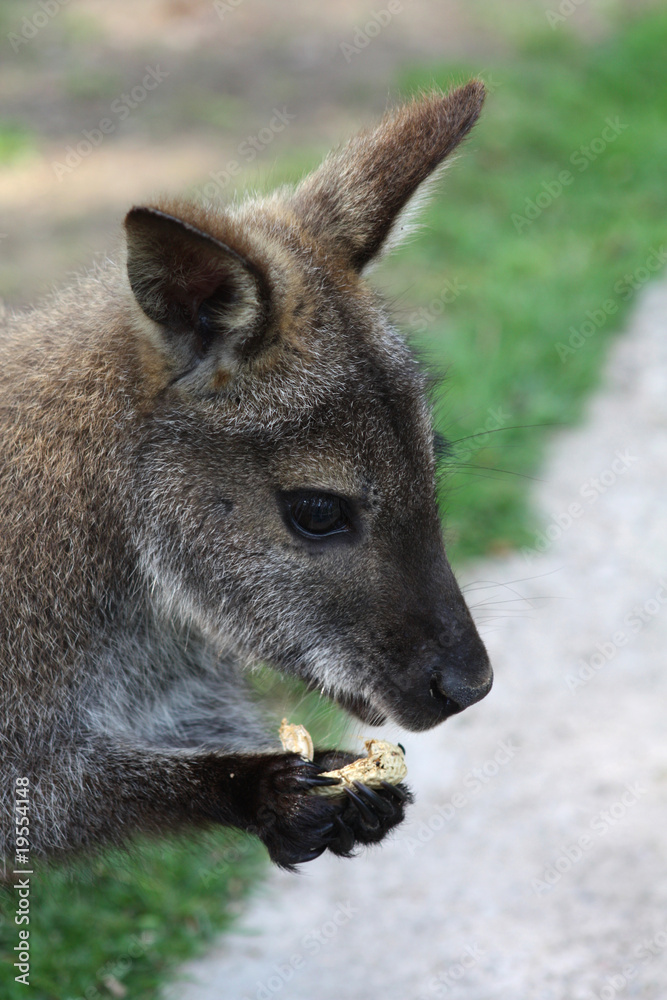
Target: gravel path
(534, 862)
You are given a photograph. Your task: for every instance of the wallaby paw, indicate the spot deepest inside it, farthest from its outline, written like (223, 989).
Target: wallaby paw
(294, 825)
(297, 826)
(366, 815)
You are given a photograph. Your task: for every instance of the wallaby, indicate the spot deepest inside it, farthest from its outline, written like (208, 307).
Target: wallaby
(215, 453)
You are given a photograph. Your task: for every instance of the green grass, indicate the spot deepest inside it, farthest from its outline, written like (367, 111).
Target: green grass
(15, 142)
(127, 919)
(520, 292)
(525, 285)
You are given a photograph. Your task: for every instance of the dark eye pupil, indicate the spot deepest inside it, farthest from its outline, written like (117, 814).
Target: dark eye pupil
(318, 514)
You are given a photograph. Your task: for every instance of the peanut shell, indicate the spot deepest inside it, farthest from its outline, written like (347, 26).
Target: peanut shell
(384, 761)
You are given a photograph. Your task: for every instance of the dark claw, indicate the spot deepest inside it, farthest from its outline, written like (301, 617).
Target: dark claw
(345, 835)
(313, 781)
(311, 855)
(324, 830)
(395, 790)
(374, 799)
(368, 814)
(311, 766)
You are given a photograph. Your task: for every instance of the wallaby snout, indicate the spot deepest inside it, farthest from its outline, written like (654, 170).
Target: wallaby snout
(460, 671)
(425, 660)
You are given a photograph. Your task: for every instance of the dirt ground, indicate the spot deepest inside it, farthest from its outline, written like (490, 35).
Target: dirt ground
(533, 862)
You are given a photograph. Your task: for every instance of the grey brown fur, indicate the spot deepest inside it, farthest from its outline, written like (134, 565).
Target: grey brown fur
(157, 421)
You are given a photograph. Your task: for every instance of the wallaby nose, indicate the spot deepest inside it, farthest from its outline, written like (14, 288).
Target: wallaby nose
(462, 674)
(456, 695)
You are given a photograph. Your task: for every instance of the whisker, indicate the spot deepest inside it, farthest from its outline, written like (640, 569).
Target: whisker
(498, 430)
(491, 468)
(508, 585)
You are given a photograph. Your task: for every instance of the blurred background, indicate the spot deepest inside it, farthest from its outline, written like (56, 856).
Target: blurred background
(542, 236)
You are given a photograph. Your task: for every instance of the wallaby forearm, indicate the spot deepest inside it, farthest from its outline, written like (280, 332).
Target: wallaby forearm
(103, 793)
(121, 791)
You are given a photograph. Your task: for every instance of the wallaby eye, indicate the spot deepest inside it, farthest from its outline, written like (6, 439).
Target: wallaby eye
(317, 515)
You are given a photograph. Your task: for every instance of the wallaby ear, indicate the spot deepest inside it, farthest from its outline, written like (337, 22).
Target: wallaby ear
(202, 291)
(354, 200)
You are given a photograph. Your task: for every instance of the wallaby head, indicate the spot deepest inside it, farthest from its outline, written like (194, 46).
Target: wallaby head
(285, 478)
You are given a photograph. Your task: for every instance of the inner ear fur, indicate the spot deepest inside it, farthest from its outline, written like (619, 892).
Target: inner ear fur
(354, 200)
(193, 284)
